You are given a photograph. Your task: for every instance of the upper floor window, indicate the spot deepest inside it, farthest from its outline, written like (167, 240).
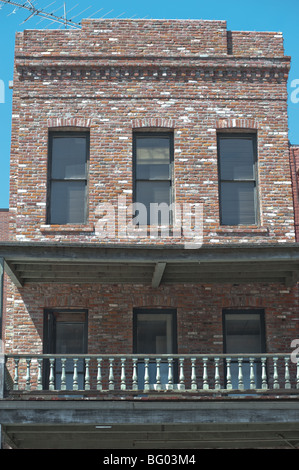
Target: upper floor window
(67, 177)
(153, 157)
(237, 158)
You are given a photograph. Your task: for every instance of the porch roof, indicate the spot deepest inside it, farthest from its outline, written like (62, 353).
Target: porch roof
(32, 262)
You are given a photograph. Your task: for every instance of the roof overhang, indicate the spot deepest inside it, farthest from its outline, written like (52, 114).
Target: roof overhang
(31, 262)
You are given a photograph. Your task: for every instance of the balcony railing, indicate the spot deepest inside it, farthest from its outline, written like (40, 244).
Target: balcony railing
(137, 374)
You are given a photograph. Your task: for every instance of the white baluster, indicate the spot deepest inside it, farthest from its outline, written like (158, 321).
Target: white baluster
(275, 373)
(264, 374)
(170, 375)
(39, 374)
(217, 376)
(251, 374)
(181, 377)
(193, 374)
(205, 374)
(63, 376)
(111, 374)
(75, 376)
(158, 385)
(135, 376)
(99, 374)
(123, 374)
(229, 385)
(51, 376)
(240, 374)
(28, 385)
(287, 373)
(16, 377)
(87, 375)
(146, 374)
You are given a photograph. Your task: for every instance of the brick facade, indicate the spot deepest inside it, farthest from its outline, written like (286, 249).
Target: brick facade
(114, 76)
(195, 82)
(4, 224)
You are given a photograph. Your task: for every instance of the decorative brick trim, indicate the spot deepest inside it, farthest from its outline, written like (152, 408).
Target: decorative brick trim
(237, 124)
(153, 122)
(69, 122)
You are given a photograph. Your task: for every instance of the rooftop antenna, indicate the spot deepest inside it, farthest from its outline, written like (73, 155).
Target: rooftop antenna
(30, 6)
(52, 16)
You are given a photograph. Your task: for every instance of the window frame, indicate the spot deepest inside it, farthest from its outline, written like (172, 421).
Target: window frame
(156, 311)
(238, 135)
(69, 133)
(49, 335)
(155, 133)
(49, 326)
(245, 311)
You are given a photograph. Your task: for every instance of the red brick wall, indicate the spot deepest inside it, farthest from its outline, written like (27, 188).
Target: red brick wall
(4, 224)
(113, 77)
(189, 76)
(4, 236)
(110, 314)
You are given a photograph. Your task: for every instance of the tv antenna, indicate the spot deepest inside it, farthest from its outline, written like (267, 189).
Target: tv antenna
(29, 5)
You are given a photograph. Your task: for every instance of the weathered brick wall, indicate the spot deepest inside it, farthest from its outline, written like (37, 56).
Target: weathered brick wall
(110, 314)
(4, 236)
(192, 77)
(4, 224)
(116, 76)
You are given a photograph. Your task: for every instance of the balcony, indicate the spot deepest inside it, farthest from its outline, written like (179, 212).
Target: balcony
(134, 375)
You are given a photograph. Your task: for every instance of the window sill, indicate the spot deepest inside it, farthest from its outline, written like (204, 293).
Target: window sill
(67, 228)
(242, 230)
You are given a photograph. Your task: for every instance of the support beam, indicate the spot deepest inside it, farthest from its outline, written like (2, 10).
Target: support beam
(13, 275)
(158, 274)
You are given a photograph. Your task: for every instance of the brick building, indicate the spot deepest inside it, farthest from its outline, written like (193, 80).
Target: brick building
(127, 326)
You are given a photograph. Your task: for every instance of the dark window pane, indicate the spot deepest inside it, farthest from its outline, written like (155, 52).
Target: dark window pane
(69, 338)
(236, 158)
(243, 333)
(67, 202)
(148, 192)
(152, 157)
(68, 157)
(154, 334)
(238, 203)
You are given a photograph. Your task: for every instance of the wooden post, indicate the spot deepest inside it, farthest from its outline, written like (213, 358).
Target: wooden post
(2, 385)
(2, 375)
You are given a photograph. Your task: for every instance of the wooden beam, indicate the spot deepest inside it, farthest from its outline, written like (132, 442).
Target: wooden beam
(158, 274)
(12, 273)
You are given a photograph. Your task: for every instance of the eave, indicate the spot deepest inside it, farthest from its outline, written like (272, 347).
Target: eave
(27, 263)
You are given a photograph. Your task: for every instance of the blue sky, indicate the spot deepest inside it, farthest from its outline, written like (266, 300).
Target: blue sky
(256, 15)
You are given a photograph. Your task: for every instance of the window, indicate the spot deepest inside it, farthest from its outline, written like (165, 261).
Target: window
(67, 185)
(66, 333)
(244, 332)
(237, 179)
(153, 157)
(155, 333)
